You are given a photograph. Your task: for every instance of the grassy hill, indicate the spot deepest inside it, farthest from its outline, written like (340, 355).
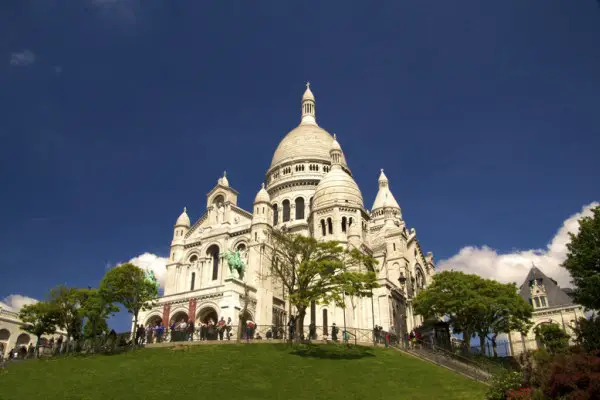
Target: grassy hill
(260, 371)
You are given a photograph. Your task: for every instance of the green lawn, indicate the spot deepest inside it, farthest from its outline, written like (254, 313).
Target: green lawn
(260, 371)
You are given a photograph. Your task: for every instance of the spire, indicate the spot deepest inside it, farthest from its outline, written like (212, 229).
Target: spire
(308, 107)
(383, 180)
(335, 153)
(384, 198)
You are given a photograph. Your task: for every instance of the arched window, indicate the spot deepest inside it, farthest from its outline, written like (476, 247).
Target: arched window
(213, 252)
(350, 221)
(323, 231)
(299, 208)
(286, 211)
(275, 214)
(330, 226)
(419, 279)
(193, 259)
(343, 224)
(193, 281)
(241, 247)
(310, 203)
(325, 327)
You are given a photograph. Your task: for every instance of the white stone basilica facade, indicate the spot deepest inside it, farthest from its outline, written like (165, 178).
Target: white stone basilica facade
(309, 190)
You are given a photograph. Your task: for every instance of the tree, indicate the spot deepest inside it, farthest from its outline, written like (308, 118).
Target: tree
(95, 309)
(588, 333)
(317, 271)
(459, 297)
(40, 319)
(554, 339)
(67, 302)
(92, 330)
(504, 311)
(126, 284)
(583, 261)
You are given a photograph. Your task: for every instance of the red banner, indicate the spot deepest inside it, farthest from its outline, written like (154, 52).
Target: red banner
(166, 312)
(192, 310)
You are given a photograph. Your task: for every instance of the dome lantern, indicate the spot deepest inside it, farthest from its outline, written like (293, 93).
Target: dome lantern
(308, 107)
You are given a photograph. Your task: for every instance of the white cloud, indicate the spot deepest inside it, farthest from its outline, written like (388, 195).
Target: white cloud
(22, 59)
(152, 262)
(512, 267)
(17, 301)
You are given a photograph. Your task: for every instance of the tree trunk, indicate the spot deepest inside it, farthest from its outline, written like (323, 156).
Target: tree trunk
(300, 323)
(482, 344)
(494, 346)
(37, 347)
(135, 318)
(466, 343)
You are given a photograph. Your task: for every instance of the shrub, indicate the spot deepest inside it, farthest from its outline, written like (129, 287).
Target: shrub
(502, 383)
(573, 376)
(525, 394)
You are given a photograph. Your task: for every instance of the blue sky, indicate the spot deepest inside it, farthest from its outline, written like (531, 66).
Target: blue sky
(118, 113)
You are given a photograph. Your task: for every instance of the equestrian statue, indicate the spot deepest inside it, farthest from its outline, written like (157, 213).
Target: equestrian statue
(235, 262)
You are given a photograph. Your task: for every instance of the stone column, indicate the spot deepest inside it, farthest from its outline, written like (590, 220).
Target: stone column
(166, 313)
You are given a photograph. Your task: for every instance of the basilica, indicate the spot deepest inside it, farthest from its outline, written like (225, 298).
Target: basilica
(308, 189)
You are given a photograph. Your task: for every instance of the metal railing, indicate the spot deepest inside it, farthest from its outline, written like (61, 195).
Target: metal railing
(264, 332)
(447, 358)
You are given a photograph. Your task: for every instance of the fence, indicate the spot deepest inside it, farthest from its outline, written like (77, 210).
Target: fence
(502, 349)
(101, 344)
(264, 332)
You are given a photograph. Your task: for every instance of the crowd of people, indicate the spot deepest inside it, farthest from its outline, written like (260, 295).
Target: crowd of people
(184, 330)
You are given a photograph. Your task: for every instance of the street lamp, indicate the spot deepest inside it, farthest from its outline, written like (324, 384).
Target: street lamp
(402, 279)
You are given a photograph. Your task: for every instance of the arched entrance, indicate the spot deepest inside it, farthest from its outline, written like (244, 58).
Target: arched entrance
(23, 340)
(4, 337)
(206, 314)
(178, 317)
(154, 320)
(538, 339)
(207, 318)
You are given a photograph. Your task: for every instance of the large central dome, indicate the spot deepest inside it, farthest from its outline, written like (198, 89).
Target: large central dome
(304, 142)
(308, 141)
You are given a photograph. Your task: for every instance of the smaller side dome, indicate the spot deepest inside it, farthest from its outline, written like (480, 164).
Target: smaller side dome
(184, 219)
(262, 196)
(337, 187)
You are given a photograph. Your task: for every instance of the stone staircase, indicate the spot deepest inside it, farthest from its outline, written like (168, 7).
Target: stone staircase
(448, 360)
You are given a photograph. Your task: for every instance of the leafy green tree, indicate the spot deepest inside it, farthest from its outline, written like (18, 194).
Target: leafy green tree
(126, 284)
(583, 261)
(92, 330)
(95, 309)
(588, 333)
(457, 296)
(504, 311)
(322, 272)
(67, 302)
(554, 339)
(40, 319)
